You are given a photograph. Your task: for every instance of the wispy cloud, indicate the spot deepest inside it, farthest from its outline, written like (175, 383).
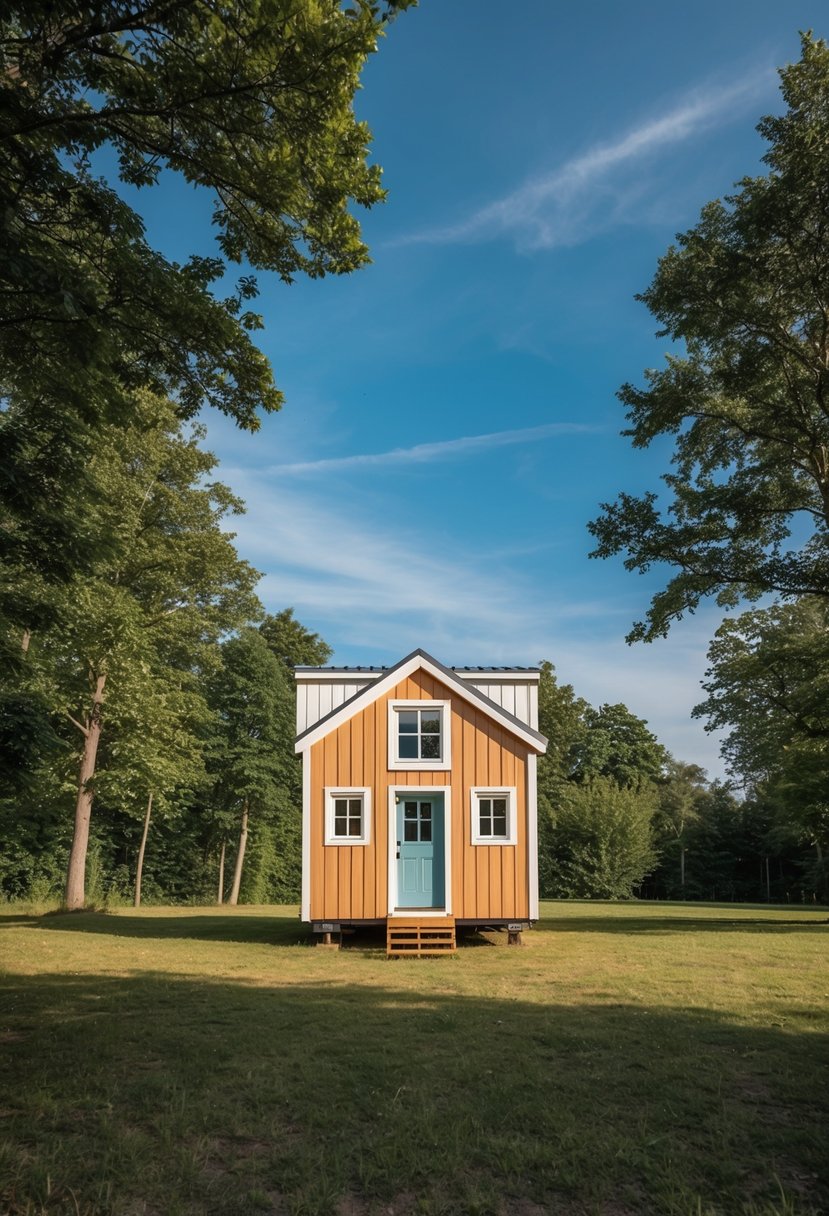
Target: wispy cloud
(563, 206)
(446, 449)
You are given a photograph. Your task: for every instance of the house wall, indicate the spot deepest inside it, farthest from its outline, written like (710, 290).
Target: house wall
(517, 696)
(318, 693)
(351, 882)
(317, 697)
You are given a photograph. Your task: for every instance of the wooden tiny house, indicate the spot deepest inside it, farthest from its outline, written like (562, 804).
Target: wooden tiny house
(419, 795)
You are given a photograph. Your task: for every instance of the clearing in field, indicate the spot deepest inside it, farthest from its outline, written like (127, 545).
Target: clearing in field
(630, 1059)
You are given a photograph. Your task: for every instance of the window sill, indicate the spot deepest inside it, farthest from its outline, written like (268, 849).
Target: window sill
(420, 766)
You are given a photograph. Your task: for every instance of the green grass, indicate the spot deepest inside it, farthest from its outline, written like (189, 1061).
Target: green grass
(630, 1059)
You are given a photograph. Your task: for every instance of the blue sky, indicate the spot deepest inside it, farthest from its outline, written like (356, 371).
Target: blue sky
(451, 422)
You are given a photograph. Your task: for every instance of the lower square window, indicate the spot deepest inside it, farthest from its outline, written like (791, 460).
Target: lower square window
(347, 815)
(493, 815)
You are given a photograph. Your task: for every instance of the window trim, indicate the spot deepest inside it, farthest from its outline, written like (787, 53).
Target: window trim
(432, 766)
(333, 792)
(476, 793)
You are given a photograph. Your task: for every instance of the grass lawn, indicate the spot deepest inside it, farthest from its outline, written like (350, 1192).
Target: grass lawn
(630, 1059)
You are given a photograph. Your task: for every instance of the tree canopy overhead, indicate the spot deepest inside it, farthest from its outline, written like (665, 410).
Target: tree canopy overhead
(251, 100)
(747, 293)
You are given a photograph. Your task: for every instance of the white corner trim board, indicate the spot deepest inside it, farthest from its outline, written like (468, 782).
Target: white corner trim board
(532, 833)
(305, 904)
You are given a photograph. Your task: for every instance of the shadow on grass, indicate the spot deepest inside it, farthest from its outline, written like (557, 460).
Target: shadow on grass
(683, 924)
(280, 930)
(158, 1094)
(221, 927)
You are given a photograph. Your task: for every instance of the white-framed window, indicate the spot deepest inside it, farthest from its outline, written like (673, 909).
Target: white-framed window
(419, 735)
(347, 814)
(494, 815)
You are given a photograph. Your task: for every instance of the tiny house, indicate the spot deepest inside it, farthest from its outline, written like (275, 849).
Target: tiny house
(419, 798)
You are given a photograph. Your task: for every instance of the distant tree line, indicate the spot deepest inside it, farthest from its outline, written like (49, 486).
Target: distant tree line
(620, 817)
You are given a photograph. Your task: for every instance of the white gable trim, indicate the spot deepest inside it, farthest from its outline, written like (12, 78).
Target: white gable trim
(417, 662)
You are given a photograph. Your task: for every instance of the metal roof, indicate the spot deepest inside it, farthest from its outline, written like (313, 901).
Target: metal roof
(369, 692)
(377, 670)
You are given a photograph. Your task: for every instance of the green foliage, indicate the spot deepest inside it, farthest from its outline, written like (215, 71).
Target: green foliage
(253, 704)
(744, 291)
(252, 104)
(273, 863)
(617, 744)
(768, 687)
(145, 617)
(768, 684)
(600, 837)
(292, 643)
(114, 558)
(596, 797)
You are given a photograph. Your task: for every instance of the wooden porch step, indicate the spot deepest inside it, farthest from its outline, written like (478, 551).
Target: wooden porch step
(413, 937)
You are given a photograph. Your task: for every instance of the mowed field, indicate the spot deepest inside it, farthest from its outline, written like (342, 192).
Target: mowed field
(628, 1059)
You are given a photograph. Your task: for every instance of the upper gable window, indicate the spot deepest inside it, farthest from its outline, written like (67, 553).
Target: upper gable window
(419, 735)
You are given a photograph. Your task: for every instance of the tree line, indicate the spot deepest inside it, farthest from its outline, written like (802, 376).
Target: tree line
(620, 817)
(185, 749)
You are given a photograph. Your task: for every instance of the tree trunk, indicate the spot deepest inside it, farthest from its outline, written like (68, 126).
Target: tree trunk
(240, 857)
(768, 883)
(221, 892)
(139, 869)
(24, 641)
(682, 869)
(76, 873)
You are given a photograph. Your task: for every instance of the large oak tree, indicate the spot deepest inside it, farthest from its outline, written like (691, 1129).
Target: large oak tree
(746, 294)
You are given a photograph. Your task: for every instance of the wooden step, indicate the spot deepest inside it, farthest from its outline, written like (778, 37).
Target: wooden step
(414, 938)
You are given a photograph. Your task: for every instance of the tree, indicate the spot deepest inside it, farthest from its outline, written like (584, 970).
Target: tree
(617, 744)
(748, 401)
(252, 102)
(768, 686)
(602, 839)
(251, 752)
(679, 790)
(595, 794)
(153, 758)
(152, 606)
(292, 643)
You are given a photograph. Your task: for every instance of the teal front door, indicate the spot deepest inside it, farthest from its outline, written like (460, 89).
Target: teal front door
(420, 852)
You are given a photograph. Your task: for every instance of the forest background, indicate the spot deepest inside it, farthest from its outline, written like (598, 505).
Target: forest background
(147, 708)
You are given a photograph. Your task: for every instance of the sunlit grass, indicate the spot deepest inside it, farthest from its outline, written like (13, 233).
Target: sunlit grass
(630, 1059)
